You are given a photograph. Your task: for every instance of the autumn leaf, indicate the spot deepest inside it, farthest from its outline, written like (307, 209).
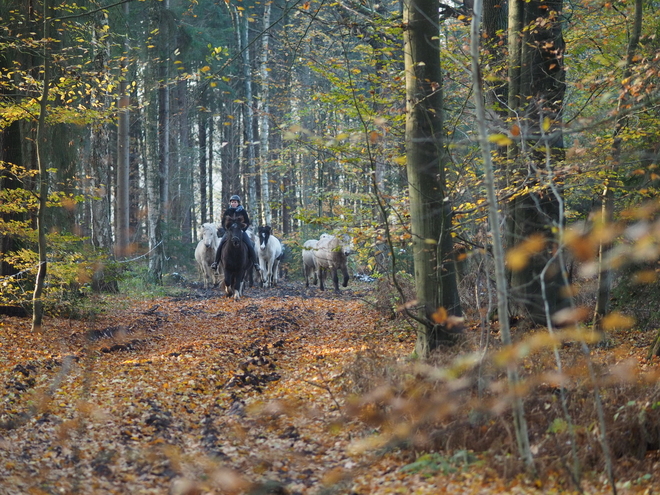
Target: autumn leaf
(500, 139)
(616, 321)
(518, 257)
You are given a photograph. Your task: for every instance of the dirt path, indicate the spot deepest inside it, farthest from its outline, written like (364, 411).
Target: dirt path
(195, 391)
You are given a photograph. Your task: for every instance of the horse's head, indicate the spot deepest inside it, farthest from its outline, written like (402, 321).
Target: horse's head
(347, 246)
(209, 234)
(264, 234)
(235, 230)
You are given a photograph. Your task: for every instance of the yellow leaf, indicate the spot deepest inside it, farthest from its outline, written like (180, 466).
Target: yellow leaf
(517, 257)
(616, 320)
(645, 277)
(206, 68)
(500, 139)
(546, 124)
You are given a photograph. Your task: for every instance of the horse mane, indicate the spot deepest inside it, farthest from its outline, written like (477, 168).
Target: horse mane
(240, 219)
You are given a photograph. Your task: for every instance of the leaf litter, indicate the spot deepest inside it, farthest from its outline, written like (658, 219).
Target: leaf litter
(207, 395)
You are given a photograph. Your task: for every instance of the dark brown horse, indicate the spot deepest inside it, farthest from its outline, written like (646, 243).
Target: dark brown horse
(234, 257)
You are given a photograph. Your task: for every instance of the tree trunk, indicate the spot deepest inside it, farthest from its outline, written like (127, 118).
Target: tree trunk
(536, 99)
(607, 200)
(264, 120)
(203, 180)
(210, 155)
(123, 163)
(156, 155)
(37, 302)
(426, 160)
(185, 156)
(520, 421)
(164, 109)
(250, 177)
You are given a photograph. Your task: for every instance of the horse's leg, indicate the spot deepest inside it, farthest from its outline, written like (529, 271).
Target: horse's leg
(335, 279)
(227, 282)
(344, 271)
(321, 274)
(269, 272)
(276, 264)
(238, 289)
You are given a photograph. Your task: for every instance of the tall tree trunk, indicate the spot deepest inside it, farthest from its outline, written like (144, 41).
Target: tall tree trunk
(37, 302)
(427, 158)
(264, 120)
(123, 163)
(210, 153)
(607, 200)
(137, 193)
(536, 99)
(186, 184)
(100, 161)
(156, 158)
(203, 178)
(100, 182)
(250, 176)
(164, 109)
(520, 421)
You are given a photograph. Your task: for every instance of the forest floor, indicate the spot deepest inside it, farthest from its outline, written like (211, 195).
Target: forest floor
(200, 394)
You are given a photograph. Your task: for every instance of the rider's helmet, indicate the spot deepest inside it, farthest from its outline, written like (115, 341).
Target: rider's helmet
(235, 197)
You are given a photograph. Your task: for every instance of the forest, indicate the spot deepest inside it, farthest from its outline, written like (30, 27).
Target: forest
(493, 165)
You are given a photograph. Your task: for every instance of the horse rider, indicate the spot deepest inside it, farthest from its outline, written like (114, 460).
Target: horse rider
(236, 208)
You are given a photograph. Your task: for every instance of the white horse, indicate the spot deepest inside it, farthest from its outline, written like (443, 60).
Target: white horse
(269, 252)
(331, 255)
(310, 266)
(205, 254)
(309, 262)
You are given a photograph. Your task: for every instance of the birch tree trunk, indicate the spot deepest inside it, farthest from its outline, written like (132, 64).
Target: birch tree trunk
(264, 120)
(251, 174)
